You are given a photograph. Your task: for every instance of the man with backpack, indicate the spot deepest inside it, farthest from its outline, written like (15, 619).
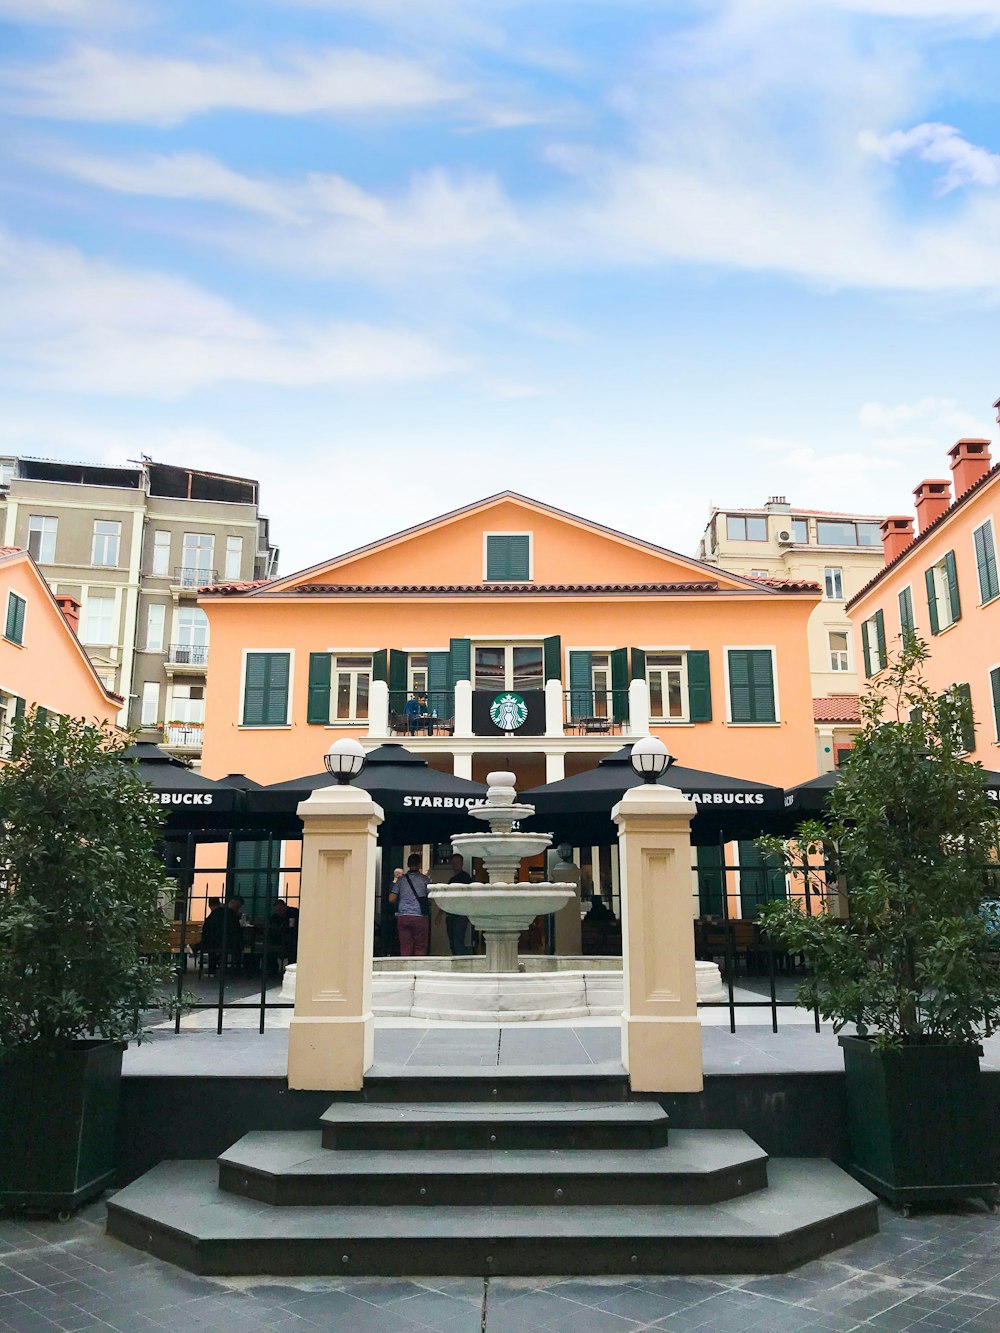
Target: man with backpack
(413, 909)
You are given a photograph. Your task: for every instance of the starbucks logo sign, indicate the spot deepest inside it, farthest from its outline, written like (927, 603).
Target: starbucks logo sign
(508, 711)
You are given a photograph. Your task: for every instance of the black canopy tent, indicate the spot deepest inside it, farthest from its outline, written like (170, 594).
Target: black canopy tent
(578, 809)
(809, 798)
(191, 802)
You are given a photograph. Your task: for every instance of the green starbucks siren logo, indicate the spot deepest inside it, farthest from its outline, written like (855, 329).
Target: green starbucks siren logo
(508, 711)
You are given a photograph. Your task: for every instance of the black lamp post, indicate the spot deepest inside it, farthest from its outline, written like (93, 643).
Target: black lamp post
(650, 758)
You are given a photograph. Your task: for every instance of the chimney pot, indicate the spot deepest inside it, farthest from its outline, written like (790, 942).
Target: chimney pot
(933, 498)
(897, 533)
(970, 461)
(70, 608)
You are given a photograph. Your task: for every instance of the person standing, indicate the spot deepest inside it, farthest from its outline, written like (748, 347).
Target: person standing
(458, 926)
(409, 896)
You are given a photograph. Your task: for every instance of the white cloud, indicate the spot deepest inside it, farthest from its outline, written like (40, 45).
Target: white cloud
(72, 13)
(940, 421)
(948, 10)
(966, 163)
(71, 322)
(93, 83)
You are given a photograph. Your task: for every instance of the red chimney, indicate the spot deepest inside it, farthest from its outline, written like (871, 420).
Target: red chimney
(970, 460)
(70, 608)
(933, 498)
(897, 533)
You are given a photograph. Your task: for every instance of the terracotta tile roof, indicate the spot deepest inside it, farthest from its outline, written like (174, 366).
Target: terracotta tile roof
(231, 588)
(836, 708)
(506, 589)
(785, 585)
(966, 495)
(10, 550)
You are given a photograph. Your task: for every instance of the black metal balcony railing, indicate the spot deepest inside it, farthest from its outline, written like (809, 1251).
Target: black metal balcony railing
(436, 715)
(595, 712)
(184, 734)
(188, 654)
(193, 576)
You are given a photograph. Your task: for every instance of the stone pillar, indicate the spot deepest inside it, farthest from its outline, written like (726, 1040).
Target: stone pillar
(555, 767)
(463, 707)
(461, 765)
(378, 708)
(553, 708)
(331, 1038)
(638, 708)
(661, 1035)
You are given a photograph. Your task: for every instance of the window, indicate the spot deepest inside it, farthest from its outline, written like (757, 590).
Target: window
(99, 618)
(995, 695)
(668, 694)
(42, 538)
(839, 650)
(416, 673)
(986, 561)
(907, 624)
(161, 554)
(351, 680)
(7, 468)
(16, 607)
(800, 530)
(751, 685)
(508, 557)
(873, 643)
(966, 729)
(265, 690)
(508, 666)
(759, 574)
(234, 557)
(741, 529)
(11, 708)
(192, 627)
(107, 539)
(842, 532)
(196, 558)
(943, 603)
(834, 583)
(150, 713)
(187, 704)
(155, 618)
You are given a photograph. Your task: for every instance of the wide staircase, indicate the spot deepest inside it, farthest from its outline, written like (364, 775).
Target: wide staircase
(485, 1173)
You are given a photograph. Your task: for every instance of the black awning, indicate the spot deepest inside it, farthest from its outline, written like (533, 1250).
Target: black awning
(809, 798)
(188, 798)
(578, 809)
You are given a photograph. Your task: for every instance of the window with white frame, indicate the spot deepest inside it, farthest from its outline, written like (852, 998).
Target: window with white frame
(834, 579)
(507, 557)
(6, 720)
(234, 557)
(42, 531)
(197, 556)
(187, 704)
(667, 679)
(350, 679)
(156, 615)
(416, 673)
(161, 554)
(873, 643)
(741, 528)
(508, 666)
(943, 603)
(99, 618)
(839, 650)
(759, 574)
(149, 715)
(106, 542)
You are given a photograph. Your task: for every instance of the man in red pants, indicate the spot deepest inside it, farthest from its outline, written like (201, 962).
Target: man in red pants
(409, 896)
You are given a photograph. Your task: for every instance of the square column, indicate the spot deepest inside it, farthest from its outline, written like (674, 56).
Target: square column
(661, 1034)
(332, 1033)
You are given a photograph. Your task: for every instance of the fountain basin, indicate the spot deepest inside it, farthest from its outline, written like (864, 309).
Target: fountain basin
(506, 907)
(508, 847)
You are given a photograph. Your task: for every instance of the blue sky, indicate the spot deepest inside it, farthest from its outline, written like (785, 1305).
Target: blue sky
(632, 257)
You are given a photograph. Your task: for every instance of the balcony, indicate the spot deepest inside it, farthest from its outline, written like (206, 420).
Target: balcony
(189, 578)
(187, 659)
(183, 737)
(594, 712)
(524, 716)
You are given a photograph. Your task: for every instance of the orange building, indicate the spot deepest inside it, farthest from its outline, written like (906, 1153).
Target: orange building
(942, 582)
(594, 635)
(42, 663)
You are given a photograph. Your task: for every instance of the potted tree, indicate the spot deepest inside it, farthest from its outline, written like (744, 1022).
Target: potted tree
(81, 953)
(908, 965)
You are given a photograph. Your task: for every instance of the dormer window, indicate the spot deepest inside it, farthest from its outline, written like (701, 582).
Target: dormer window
(507, 557)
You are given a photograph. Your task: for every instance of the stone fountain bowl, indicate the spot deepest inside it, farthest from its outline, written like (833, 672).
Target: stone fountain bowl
(503, 907)
(501, 846)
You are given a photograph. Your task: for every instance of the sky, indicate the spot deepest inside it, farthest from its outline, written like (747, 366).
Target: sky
(630, 257)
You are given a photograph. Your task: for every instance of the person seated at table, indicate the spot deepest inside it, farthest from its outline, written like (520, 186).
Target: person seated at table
(280, 934)
(416, 714)
(210, 944)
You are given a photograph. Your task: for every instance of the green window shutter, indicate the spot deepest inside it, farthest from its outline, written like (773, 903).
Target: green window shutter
(318, 699)
(699, 686)
(461, 661)
(18, 707)
(751, 685)
(986, 563)
(508, 558)
(265, 696)
(865, 631)
(438, 683)
(399, 668)
(880, 635)
(951, 574)
(710, 886)
(995, 688)
(932, 606)
(967, 726)
(906, 621)
(638, 664)
(619, 683)
(581, 685)
(41, 715)
(552, 650)
(380, 664)
(15, 617)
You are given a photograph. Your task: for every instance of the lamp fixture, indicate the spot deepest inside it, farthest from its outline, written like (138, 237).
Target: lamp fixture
(344, 760)
(650, 758)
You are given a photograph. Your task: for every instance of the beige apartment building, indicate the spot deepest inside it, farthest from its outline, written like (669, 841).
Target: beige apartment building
(132, 545)
(839, 552)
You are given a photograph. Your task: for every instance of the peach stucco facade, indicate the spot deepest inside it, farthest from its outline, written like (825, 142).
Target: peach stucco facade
(952, 550)
(585, 592)
(48, 668)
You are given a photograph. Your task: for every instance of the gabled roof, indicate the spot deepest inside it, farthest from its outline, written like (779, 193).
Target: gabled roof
(290, 582)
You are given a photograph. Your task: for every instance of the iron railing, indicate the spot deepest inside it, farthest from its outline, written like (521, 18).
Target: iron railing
(193, 576)
(595, 712)
(183, 734)
(436, 718)
(187, 654)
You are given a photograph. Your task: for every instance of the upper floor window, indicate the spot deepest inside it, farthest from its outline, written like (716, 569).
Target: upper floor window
(106, 542)
(265, 689)
(508, 666)
(907, 624)
(16, 608)
(751, 685)
(234, 557)
(197, 555)
(995, 696)
(161, 554)
(416, 673)
(986, 561)
(873, 643)
(156, 615)
(339, 686)
(944, 605)
(843, 532)
(42, 538)
(99, 617)
(740, 528)
(666, 675)
(839, 653)
(7, 469)
(192, 627)
(834, 583)
(507, 557)
(800, 530)
(150, 709)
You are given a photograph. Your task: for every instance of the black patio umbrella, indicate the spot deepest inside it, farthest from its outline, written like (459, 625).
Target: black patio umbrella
(578, 809)
(421, 804)
(809, 798)
(190, 800)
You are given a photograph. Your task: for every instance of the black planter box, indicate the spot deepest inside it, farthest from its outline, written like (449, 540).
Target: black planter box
(917, 1122)
(58, 1113)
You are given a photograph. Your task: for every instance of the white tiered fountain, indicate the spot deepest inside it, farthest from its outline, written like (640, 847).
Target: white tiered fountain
(506, 906)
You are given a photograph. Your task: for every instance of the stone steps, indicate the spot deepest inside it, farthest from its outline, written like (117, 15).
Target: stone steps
(293, 1169)
(465, 1083)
